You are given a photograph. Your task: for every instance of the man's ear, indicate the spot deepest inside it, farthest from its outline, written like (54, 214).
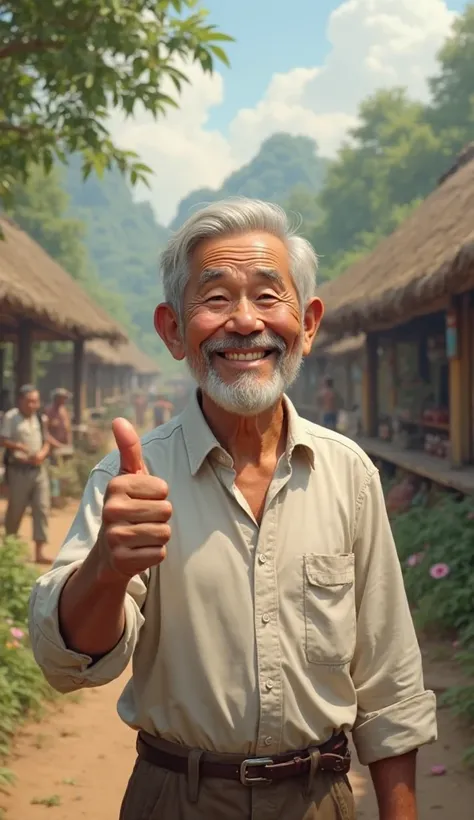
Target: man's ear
(311, 321)
(167, 326)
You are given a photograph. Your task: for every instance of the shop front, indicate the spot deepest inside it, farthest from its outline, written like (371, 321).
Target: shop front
(418, 405)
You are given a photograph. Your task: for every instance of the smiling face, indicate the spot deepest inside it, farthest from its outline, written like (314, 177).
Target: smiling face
(244, 334)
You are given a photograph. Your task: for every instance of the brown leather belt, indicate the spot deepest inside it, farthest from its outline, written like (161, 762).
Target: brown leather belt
(332, 756)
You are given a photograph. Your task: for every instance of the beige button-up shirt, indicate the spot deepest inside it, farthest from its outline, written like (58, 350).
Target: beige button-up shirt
(25, 430)
(256, 639)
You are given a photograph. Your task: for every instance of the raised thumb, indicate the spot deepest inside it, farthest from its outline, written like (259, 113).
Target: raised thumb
(129, 447)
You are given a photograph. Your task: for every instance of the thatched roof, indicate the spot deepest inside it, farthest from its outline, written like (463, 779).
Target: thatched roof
(127, 355)
(34, 286)
(430, 256)
(325, 345)
(346, 346)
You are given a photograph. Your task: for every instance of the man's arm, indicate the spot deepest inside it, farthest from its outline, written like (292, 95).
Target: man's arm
(69, 664)
(396, 714)
(9, 444)
(394, 782)
(92, 607)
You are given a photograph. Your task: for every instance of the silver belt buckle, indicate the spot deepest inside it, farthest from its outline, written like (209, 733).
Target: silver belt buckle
(252, 763)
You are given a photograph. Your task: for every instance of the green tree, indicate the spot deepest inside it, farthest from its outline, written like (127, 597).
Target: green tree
(453, 88)
(302, 204)
(396, 155)
(64, 63)
(394, 158)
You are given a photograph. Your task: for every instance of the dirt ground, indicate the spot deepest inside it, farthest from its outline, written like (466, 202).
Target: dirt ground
(77, 760)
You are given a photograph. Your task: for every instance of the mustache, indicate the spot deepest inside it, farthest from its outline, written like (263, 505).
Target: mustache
(254, 341)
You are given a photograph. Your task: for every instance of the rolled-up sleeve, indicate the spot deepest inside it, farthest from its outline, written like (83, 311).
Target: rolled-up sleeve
(395, 713)
(64, 669)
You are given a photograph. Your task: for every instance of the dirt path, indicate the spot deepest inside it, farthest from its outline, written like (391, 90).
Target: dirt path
(78, 759)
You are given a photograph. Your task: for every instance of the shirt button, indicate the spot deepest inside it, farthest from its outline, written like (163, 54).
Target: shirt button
(266, 618)
(268, 741)
(269, 684)
(262, 557)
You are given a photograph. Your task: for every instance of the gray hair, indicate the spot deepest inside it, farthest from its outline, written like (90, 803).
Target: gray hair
(233, 216)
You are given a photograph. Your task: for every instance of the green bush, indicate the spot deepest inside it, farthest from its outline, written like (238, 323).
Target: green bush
(22, 685)
(436, 549)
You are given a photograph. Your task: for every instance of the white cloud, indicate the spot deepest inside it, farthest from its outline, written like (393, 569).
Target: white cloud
(374, 44)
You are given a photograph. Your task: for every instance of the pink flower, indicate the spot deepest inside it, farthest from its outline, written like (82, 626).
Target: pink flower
(456, 644)
(470, 516)
(439, 571)
(415, 559)
(438, 770)
(17, 633)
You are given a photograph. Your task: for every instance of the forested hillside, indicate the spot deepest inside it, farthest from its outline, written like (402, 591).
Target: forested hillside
(283, 164)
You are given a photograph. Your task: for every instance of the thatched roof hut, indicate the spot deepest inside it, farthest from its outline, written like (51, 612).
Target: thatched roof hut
(34, 286)
(429, 257)
(347, 346)
(127, 356)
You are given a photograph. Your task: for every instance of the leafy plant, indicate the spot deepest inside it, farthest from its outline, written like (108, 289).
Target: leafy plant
(23, 688)
(63, 65)
(441, 536)
(435, 545)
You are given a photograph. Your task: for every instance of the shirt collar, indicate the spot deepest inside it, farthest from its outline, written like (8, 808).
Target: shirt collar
(200, 441)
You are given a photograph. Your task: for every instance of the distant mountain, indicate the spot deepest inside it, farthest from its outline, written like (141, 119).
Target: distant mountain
(124, 241)
(283, 163)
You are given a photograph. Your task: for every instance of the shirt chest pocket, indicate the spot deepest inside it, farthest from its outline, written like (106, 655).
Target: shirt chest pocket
(329, 608)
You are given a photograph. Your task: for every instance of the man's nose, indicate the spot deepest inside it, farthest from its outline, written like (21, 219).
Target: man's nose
(244, 319)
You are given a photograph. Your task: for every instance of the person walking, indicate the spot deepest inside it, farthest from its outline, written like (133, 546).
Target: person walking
(23, 436)
(243, 557)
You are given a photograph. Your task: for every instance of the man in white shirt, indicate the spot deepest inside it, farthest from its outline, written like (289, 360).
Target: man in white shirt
(243, 557)
(22, 435)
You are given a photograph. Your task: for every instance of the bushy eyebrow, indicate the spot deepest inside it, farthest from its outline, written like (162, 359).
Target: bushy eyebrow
(210, 275)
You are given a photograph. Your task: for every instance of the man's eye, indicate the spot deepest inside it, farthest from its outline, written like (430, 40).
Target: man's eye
(266, 297)
(216, 298)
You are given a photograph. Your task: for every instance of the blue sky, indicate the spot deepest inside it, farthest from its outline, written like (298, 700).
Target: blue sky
(299, 66)
(272, 36)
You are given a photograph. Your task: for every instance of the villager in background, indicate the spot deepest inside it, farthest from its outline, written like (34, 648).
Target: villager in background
(140, 403)
(25, 440)
(329, 404)
(58, 419)
(277, 620)
(162, 410)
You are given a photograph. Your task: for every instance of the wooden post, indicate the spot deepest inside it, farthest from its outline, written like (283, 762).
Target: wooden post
(369, 388)
(2, 368)
(466, 377)
(349, 386)
(458, 327)
(393, 376)
(24, 354)
(78, 380)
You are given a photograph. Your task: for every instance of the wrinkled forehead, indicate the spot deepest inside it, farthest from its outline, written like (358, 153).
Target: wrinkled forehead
(248, 252)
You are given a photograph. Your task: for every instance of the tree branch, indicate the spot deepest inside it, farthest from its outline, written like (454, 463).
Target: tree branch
(24, 130)
(20, 48)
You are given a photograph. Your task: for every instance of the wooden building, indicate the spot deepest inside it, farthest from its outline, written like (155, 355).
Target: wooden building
(39, 301)
(413, 298)
(110, 371)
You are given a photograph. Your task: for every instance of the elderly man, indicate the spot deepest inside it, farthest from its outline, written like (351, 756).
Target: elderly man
(243, 557)
(23, 437)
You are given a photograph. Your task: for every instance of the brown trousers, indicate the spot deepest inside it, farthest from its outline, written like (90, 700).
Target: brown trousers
(157, 794)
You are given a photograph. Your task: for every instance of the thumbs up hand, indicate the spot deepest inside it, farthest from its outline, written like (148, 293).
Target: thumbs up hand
(136, 511)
